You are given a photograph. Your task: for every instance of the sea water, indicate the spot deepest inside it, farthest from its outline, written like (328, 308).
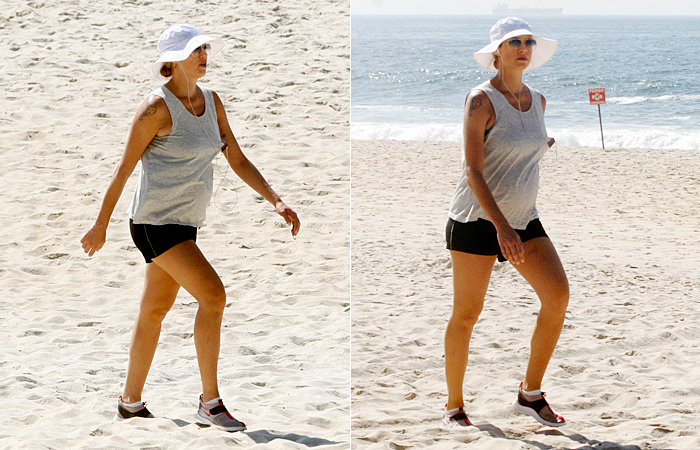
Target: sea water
(411, 74)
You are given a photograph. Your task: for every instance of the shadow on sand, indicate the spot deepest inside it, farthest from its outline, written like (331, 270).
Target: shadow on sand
(577, 438)
(264, 436)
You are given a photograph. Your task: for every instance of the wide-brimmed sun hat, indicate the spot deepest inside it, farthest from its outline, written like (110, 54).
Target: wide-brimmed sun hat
(178, 42)
(511, 27)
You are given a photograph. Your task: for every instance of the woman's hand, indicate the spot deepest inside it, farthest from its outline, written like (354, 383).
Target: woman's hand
(94, 239)
(511, 245)
(289, 216)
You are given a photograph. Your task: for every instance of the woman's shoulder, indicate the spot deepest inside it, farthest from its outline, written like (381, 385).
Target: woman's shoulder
(537, 96)
(207, 91)
(153, 107)
(534, 92)
(478, 106)
(484, 90)
(155, 100)
(210, 93)
(477, 95)
(480, 95)
(485, 87)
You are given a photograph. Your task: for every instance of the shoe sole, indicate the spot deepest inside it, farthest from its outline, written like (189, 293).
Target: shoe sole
(532, 413)
(204, 421)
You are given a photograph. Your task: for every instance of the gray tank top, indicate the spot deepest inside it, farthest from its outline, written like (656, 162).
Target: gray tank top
(176, 178)
(512, 151)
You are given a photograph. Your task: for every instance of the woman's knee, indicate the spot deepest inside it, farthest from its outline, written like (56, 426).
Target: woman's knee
(214, 299)
(155, 310)
(558, 298)
(467, 316)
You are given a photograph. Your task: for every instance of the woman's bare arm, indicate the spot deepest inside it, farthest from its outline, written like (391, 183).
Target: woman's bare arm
(248, 172)
(478, 116)
(151, 116)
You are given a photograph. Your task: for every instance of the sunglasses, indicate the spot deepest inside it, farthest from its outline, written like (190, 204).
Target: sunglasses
(515, 43)
(198, 50)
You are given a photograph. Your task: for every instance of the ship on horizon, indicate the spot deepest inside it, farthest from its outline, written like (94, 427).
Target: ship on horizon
(502, 9)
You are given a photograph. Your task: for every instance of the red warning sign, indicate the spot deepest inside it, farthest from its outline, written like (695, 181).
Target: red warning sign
(597, 96)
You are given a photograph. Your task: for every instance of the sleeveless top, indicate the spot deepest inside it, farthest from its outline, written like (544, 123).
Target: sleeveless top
(176, 179)
(513, 149)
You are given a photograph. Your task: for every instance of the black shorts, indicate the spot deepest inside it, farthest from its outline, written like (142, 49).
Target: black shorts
(154, 240)
(480, 237)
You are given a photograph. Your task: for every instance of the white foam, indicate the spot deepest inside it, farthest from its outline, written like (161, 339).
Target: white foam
(407, 132)
(656, 137)
(622, 100)
(684, 97)
(627, 100)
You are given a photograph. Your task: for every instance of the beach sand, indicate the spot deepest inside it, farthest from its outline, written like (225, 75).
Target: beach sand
(73, 74)
(625, 372)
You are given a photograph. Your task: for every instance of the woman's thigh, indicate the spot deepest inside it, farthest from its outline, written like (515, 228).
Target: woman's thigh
(543, 270)
(160, 291)
(186, 264)
(471, 276)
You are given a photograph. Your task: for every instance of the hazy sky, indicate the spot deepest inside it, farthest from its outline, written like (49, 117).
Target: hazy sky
(571, 7)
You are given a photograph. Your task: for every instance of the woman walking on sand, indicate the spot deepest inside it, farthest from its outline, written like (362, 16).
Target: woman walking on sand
(176, 133)
(493, 214)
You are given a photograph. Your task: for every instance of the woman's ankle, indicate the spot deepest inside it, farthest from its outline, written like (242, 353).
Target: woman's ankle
(130, 399)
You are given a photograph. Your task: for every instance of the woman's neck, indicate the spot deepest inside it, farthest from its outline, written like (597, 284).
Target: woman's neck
(182, 86)
(511, 80)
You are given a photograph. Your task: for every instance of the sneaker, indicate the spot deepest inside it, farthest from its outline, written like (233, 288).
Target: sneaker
(539, 409)
(218, 416)
(128, 412)
(455, 418)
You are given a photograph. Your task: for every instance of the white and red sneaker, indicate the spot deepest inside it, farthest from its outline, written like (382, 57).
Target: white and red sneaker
(455, 418)
(125, 411)
(214, 413)
(537, 407)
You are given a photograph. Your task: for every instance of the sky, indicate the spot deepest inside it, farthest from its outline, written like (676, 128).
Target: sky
(571, 7)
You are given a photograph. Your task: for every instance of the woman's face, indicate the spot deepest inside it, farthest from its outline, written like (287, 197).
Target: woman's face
(196, 64)
(516, 52)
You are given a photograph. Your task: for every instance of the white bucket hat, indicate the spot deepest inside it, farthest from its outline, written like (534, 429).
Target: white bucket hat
(178, 42)
(511, 27)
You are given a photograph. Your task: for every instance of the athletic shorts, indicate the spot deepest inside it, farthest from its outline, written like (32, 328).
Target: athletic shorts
(480, 237)
(154, 240)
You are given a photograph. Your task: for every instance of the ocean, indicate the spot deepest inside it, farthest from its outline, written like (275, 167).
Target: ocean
(411, 74)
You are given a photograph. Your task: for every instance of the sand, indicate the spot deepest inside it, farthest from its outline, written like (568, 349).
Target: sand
(73, 73)
(625, 373)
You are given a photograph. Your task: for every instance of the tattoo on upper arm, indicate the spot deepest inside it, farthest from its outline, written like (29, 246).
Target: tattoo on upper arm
(148, 112)
(474, 105)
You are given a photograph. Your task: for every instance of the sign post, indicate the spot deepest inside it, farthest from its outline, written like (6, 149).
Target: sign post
(597, 97)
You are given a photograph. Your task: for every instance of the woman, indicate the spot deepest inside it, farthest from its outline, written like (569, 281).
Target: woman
(493, 214)
(176, 133)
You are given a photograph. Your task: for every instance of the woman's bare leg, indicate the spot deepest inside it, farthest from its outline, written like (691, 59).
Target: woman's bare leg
(186, 264)
(159, 293)
(471, 275)
(544, 271)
